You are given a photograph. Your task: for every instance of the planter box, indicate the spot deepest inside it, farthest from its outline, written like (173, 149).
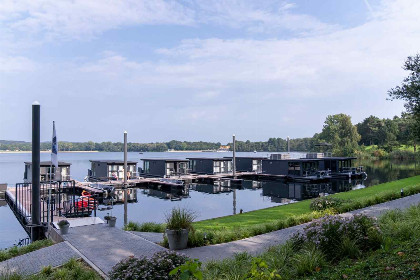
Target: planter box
(177, 239)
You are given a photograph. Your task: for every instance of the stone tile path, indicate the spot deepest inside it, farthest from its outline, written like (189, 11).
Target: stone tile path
(33, 262)
(105, 246)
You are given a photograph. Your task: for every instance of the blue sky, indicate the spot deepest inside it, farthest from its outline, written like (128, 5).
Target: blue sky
(199, 70)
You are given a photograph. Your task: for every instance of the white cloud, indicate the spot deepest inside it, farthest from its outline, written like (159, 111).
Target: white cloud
(11, 64)
(78, 18)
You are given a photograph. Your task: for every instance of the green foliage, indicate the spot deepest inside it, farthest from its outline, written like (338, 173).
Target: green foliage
(73, 269)
(260, 271)
(17, 251)
(157, 267)
(341, 133)
(180, 218)
(189, 270)
(145, 227)
(325, 202)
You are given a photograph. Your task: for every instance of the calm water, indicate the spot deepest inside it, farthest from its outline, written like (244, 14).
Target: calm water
(208, 201)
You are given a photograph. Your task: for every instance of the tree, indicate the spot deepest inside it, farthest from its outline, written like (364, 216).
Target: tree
(409, 91)
(368, 130)
(341, 133)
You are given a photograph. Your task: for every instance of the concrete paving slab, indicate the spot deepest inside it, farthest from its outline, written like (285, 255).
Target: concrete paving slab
(33, 262)
(106, 246)
(80, 222)
(154, 237)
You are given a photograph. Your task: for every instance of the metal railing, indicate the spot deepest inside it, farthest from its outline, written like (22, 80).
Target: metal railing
(57, 199)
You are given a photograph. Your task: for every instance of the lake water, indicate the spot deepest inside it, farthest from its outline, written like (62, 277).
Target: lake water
(208, 201)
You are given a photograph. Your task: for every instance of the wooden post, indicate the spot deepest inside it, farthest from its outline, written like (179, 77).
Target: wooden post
(234, 157)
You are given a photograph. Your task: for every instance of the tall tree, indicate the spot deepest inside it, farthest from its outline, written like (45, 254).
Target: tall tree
(341, 133)
(409, 91)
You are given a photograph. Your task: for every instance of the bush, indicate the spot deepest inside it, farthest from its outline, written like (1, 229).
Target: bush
(156, 267)
(145, 227)
(325, 202)
(329, 233)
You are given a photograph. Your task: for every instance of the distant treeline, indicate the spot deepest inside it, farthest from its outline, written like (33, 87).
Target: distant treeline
(272, 145)
(346, 139)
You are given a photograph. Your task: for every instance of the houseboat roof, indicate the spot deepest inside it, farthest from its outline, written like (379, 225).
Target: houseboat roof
(297, 159)
(340, 158)
(217, 159)
(164, 159)
(260, 157)
(114, 161)
(48, 163)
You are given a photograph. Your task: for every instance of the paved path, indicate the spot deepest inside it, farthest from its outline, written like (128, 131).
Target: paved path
(154, 237)
(259, 244)
(33, 262)
(105, 246)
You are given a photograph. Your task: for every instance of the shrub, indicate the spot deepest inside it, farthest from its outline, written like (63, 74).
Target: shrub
(328, 234)
(325, 202)
(180, 219)
(156, 267)
(63, 223)
(145, 227)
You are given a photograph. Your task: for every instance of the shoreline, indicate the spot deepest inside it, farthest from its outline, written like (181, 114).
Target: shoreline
(27, 152)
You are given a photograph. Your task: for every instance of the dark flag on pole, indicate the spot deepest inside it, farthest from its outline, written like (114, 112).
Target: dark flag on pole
(54, 149)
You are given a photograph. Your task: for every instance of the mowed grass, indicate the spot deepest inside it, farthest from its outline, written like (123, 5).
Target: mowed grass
(400, 148)
(284, 212)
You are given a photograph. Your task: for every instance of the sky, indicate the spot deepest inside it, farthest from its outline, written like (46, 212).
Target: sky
(199, 70)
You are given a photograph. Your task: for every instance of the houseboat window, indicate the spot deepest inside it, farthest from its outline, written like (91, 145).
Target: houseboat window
(294, 168)
(146, 166)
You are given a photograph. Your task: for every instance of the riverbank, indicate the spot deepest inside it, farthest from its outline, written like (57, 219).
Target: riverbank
(26, 152)
(240, 226)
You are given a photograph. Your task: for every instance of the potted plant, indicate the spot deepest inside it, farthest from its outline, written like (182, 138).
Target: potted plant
(110, 220)
(64, 226)
(178, 225)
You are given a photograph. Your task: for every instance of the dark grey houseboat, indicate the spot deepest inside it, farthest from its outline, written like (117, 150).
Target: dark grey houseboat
(338, 164)
(210, 165)
(249, 164)
(48, 171)
(164, 167)
(292, 167)
(111, 170)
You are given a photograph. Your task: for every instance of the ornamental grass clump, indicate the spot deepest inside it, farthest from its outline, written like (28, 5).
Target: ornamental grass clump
(325, 202)
(334, 236)
(156, 267)
(180, 218)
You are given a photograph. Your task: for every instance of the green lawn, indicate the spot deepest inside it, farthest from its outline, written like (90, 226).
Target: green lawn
(277, 213)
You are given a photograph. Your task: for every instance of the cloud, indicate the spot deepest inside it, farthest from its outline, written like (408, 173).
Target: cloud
(12, 64)
(78, 18)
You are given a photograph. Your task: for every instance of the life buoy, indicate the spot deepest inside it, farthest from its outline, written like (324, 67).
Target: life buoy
(128, 192)
(85, 193)
(128, 175)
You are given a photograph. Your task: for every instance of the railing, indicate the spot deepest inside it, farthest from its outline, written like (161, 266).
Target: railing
(57, 199)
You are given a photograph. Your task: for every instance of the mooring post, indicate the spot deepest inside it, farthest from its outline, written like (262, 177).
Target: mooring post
(234, 157)
(36, 201)
(125, 178)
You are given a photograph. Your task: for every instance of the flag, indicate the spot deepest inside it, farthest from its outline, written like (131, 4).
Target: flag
(54, 149)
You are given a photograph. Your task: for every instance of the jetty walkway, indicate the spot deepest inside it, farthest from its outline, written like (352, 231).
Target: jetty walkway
(102, 247)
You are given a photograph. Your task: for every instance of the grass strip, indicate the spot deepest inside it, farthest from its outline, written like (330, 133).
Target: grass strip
(359, 198)
(17, 251)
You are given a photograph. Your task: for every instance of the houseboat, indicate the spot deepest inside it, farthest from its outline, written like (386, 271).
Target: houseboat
(48, 172)
(210, 165)
(164, 167)
(104, 170)
(292, 167)
(248, 164)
